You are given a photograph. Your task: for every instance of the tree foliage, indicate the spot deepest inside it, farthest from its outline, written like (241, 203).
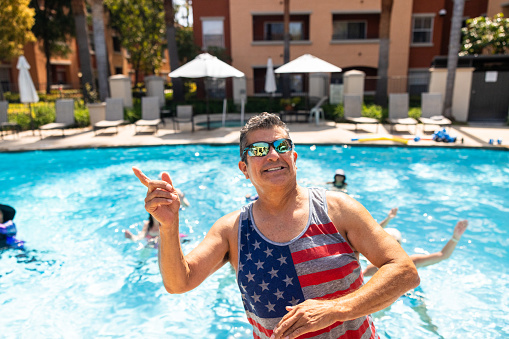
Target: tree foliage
(485, 35)
(54, 24)
(187, 49)
(141, 27)
(13, 37)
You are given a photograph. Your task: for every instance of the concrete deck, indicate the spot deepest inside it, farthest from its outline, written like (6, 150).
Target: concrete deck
(301, 133)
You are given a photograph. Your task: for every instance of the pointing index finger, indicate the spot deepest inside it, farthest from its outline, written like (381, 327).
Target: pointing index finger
(141, 176)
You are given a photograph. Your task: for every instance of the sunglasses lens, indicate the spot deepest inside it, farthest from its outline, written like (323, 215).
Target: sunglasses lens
(259, 149)
(282, 145)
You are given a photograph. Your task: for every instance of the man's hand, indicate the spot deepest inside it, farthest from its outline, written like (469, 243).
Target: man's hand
(162, 200)
(309, 316)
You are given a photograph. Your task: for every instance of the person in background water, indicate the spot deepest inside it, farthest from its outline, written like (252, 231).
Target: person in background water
(8, 229)
(149, 232)
(339, 181)
(293, 249)
(421, 260)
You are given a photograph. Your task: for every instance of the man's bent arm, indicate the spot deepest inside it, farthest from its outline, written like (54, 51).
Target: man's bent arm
(183, 273)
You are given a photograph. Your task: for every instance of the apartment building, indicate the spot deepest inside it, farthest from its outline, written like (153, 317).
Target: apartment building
(342, 32)
(66, 70)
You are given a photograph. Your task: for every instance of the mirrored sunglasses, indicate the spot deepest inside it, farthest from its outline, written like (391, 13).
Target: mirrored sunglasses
(262, 148)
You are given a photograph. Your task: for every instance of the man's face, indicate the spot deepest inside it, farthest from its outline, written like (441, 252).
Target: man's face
(274, 168)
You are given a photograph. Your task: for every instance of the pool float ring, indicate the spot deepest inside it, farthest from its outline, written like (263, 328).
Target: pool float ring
(396, 139)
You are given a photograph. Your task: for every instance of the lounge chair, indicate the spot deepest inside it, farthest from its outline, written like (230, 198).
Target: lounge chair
(184, 114)
(150, 113)
(353, 111)
(431, 111)
(398, 111)
(317, 110)
(4, 121)
(65, 117)
(114, 115)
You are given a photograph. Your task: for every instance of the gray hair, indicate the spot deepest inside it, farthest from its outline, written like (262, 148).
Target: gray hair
(261, 121)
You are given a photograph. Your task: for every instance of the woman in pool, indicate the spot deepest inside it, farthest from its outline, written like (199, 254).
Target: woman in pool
(149, 232)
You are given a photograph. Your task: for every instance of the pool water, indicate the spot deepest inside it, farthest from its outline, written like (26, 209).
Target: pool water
(80, 278)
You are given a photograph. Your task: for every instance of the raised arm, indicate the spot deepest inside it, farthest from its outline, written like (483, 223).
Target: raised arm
(422, 260)
(390, 216)
(182, 273)
(397, 273)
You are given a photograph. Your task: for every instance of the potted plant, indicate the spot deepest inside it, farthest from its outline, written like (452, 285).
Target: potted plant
(289, 103)
(96, 108)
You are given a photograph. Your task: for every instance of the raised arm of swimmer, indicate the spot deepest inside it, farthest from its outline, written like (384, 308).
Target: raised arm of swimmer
(180, 273)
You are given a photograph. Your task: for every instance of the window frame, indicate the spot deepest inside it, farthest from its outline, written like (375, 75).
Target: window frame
(365, 22)
(212, 19)
(429, 30)
(267, 23)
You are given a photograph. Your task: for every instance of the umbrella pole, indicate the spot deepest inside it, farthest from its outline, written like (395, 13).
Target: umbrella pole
(31, 118)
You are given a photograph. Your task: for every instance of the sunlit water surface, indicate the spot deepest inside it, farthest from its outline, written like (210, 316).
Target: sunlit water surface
(80, 278)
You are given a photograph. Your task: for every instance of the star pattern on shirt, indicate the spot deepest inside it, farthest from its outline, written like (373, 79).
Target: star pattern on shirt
(256, 297)
(259, 265)
(282, 260)
(288, 281)
(294, 301)
(248, 256)
(256, 244)
(264, 285)
(273, 273)
(268, 251)
(250, 277)
(279, 294)
(270, 307)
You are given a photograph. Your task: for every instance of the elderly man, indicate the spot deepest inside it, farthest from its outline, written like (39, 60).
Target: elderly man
(294, 249)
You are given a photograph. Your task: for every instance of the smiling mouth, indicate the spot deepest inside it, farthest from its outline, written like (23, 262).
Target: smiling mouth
(274, 169)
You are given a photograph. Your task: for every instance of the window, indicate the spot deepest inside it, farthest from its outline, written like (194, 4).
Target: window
(422, 29)
(276, 31)
(213, 33)
(117, 47)
(349, 30)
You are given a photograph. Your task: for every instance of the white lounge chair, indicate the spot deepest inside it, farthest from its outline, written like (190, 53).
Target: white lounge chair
(114, 115)
(317, 110)
(150, 113)
(4, 121)
(184, 114)
(353, 111)
(64, 109)
(398, 111)
(431, 111)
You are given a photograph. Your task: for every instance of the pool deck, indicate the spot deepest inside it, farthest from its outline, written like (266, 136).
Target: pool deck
(473, 135)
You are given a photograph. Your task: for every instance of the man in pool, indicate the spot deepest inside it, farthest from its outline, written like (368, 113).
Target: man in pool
(293, 249)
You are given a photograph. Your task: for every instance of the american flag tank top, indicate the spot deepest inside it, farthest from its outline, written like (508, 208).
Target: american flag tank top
(317, 264)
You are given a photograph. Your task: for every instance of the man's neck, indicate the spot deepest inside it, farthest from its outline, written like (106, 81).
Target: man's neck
(276, 200)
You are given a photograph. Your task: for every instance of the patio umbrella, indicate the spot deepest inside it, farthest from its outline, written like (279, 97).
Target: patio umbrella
(270, 78)
(27, 92)
(308, 63)
(206, 65)
(270, 81)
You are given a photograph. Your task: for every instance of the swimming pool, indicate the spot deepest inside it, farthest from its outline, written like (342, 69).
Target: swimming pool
(79, 277)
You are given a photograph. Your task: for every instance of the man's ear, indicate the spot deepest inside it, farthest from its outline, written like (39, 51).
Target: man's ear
(243, 168)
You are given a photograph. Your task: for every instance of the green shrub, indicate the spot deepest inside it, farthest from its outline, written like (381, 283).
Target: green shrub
(414, 112)
(372, 111)
(81, 113)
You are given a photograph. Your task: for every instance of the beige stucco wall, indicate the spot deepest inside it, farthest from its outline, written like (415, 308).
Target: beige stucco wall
(462, 89)
(495, 6)
(246, 54)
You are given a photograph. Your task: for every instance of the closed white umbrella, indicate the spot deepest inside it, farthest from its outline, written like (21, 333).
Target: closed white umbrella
(27, 92)
(270, 78)
(308, 63)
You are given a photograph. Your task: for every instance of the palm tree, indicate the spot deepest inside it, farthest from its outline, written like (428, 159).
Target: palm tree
(452, 58)
(286, 54)
(80, 21)
(101, 55)
(383, 54)
(169, 19)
